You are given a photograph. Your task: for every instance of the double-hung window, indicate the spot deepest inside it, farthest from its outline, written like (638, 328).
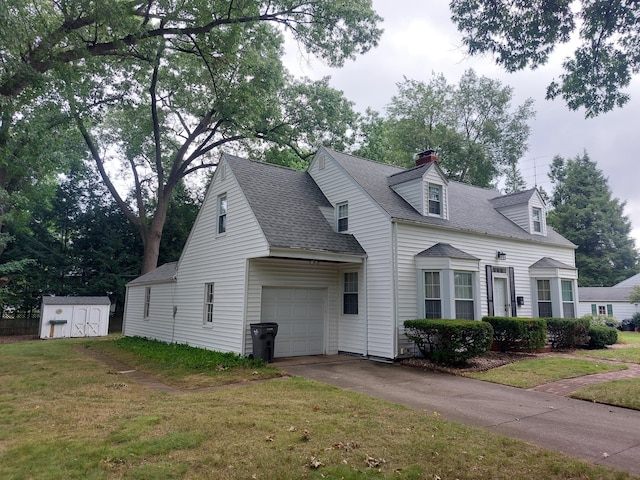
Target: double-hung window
(568, 310)
(435, 200)
(463, 286)
(432, 298)
(147, 301)
(222, 214)
(343, 217)
(208, 303)
(350, 294)
(536, 215)
(544, 299)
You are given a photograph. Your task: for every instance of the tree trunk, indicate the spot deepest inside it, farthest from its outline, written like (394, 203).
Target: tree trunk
(153, 236)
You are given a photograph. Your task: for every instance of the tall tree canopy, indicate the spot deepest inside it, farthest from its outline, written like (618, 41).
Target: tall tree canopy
(522, 34)
(155, 88)
(477, 133)
(585, 213)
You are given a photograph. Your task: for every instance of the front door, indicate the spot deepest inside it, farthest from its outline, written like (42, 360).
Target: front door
(501, 297)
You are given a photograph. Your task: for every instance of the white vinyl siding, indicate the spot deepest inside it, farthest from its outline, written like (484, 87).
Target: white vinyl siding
(158, 323)
(221, 260)
(372, 228)
(412, 192)
(412, 239)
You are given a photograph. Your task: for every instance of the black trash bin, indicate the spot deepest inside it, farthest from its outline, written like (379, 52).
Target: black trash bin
(263, 336)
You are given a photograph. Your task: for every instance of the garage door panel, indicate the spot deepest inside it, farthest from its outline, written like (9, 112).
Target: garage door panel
(299, 313)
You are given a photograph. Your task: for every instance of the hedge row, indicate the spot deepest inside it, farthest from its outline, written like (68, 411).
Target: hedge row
(600, 337)
(510, 333)
(568, 332)
(450, 342)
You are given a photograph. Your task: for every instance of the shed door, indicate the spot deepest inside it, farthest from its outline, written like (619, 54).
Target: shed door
(86, 322)
(299, 313)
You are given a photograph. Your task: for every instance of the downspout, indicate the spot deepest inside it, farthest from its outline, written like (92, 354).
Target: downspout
(394, 280)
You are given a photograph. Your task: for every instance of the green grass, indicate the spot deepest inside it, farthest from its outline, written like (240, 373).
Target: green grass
(532, 372)
(622, 393)
(64, 415)
(629, 354)
(181, 365)
(629, 338)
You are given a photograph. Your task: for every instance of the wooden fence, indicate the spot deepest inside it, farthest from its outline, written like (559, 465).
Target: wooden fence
(29, 326)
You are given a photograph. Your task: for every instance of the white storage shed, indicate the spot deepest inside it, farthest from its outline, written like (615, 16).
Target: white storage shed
(63, 317)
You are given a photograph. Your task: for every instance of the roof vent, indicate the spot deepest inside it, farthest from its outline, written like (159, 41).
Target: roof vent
(428, 156)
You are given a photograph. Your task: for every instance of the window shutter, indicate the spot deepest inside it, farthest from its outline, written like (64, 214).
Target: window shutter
(512, 293)
(594, 309)
(609, 309)
(489, 271)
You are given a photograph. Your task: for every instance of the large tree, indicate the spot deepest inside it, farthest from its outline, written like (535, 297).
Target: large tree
(158, 87)
(585, 213)
(522, 34)
(478, 134)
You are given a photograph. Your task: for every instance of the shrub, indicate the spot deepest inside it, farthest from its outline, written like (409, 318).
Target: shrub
(568, 332)
(602, 321)
(450, 342)
(636, 320)
(518, 333)
(600, 337)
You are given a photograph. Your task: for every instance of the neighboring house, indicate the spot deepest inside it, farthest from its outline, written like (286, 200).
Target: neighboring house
(340, 255)
(610, 301)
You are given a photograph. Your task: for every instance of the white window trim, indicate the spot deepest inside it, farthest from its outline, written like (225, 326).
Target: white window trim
(219, 212)
(540, 221)
(147, 303)
(208, 318)
(339, 217)
(440, 201)
(344, 291)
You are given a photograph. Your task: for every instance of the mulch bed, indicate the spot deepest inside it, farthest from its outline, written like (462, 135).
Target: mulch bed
(479, 364)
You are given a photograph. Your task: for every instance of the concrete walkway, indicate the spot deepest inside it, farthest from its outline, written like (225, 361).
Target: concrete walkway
(597, 433)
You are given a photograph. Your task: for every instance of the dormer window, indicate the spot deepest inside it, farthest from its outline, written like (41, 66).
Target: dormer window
(343, 217)
(536, 216)
(435, 200)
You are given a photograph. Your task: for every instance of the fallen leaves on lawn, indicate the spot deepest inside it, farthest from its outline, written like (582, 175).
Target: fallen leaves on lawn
(373, 462)
(315, 463)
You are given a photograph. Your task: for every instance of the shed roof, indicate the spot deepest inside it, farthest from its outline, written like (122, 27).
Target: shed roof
(470, 207)
(54, 300)
(163, 274)
(287, 204)
(446, 250)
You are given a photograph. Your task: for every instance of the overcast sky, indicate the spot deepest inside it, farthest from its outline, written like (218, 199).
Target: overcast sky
(420, 39)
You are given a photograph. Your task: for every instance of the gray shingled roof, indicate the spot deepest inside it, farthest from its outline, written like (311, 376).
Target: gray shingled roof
(470, 208)
(52, 300)
(446, 250)
(163, 274)
(548, 262)
(604, 294)
(517, 198)
(287, 204)
(411, 174)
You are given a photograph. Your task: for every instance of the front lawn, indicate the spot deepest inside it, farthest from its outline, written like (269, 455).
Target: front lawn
(183, 366)
(532, 372)
(64, 415)
(622, 393)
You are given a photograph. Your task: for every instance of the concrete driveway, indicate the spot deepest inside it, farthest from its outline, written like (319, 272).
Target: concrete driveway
(597, 433)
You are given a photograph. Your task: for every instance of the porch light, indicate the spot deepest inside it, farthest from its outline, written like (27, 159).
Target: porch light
(501, 255)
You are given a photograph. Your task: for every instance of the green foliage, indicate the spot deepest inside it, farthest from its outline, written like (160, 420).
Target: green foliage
(568, 332)
(600, 337)
(510, 333)
(523, 34)
(477, 133)
(184, 356)
(449, 342)
(636, 320)
(585, 213)
(634, 296)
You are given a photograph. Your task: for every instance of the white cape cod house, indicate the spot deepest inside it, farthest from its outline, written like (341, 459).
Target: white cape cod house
(340, 255)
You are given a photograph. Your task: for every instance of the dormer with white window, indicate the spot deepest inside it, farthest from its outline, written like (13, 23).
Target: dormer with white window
(424, 187)
(526, 209)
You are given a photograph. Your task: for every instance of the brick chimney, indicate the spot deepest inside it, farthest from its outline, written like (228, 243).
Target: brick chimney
(428, 156)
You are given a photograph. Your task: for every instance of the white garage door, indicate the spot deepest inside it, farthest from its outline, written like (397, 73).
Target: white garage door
(299, 313)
